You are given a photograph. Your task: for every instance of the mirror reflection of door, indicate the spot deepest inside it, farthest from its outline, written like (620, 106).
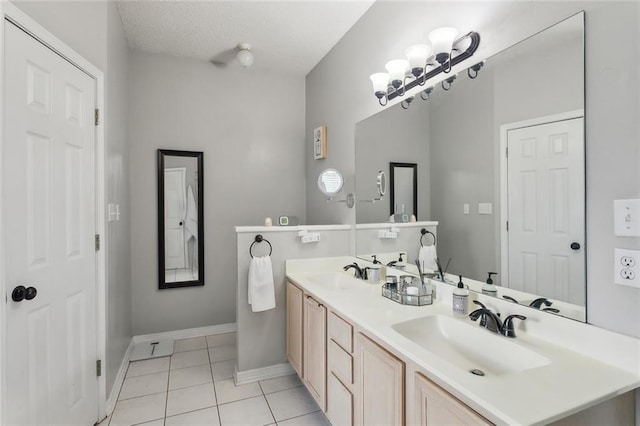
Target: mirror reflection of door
(545, 205)
(180, 192)
(174, 217)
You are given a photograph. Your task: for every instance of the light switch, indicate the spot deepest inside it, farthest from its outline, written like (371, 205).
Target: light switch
(465, 208)
(485, 208)
(111, 212)
(627, 217)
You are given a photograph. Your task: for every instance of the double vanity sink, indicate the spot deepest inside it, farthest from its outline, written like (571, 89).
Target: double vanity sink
(553, 369)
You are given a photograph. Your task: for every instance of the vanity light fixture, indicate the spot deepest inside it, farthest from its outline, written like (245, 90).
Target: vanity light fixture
(425, 93)
(423, 62)
(244, 55)
(406, 102)
(472, 71)
(446, 85)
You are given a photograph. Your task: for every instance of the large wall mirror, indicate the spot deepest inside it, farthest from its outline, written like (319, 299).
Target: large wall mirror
(500, 166)
(180, 219)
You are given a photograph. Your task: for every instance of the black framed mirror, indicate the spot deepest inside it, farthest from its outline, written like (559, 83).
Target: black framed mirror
(404, 189)
(180, 219)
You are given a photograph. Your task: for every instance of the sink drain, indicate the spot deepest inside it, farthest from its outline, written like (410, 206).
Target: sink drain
(477, 372)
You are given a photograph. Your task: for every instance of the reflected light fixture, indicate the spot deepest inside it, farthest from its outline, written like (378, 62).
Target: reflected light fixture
(244, 55)
(423, 62)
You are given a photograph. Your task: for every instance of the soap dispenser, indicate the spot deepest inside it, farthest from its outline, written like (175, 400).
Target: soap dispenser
(460, 299)
(401, 263)
(489, 288)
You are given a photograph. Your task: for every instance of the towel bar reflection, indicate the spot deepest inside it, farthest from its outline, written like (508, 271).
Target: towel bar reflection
(259, 239)
(424, 232)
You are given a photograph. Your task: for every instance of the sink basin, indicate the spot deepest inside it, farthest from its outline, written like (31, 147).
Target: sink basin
(468, 346)
(338, 280)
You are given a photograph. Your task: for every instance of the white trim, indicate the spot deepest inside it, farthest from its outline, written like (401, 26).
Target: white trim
(189, 332)
(110, 404)
(245, 229)
(264, 373)
(504, 213)
(22, 20)
(395, 225)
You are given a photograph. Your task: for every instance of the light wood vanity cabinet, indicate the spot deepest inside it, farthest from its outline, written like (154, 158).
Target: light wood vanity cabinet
(380, 384)
(314, 349)
(434, 406)
(294, 327)
(340, 383)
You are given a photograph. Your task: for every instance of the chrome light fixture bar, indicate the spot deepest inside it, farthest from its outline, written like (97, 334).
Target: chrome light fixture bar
(441, 56)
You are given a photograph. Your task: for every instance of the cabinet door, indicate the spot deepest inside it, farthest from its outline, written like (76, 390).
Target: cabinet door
(315, 349)
(435, 406)
(294, 327)
(380, 385)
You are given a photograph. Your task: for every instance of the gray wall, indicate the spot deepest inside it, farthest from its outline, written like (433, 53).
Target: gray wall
(94, 30)
(340, 96)
(262, 335)
(386, 138)
(250, 127)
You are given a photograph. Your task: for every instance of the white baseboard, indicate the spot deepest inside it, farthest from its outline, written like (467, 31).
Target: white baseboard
(264, 373)
(117, 384)
(176, 334)
(189, 332)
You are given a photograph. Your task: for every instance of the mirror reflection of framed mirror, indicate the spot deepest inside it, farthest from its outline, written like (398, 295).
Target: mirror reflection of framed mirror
(180, 219)
(404, 188)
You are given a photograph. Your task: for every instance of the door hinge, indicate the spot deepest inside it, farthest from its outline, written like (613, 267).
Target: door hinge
(99, 368)
(97, 116)
(507, 226)
(506, 152)
(97, 242)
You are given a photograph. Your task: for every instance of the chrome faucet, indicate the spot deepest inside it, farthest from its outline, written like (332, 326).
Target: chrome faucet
(492, 322)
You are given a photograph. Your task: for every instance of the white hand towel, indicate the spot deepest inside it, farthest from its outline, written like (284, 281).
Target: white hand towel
(427, 257)
(262, 295)
(191, 216)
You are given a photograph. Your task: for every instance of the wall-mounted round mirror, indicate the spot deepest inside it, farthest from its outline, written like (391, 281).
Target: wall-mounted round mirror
(381, 183)
(330, 182)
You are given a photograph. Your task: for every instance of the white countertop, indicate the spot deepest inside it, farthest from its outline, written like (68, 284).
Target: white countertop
(571, 382)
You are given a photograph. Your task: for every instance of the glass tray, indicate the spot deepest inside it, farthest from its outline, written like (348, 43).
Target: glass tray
(406, 299)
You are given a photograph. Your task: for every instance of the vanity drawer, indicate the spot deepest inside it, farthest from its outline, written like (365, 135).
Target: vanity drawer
(340, 402)
(340, 363)
(341, 332)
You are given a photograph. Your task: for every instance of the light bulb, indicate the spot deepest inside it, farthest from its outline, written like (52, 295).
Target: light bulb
(397, 70)
(442, 41)
(244, 55)
(417, 56)
(380, 82)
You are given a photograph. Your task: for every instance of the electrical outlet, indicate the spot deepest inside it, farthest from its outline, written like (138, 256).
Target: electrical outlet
(626, 267)
(628, 261)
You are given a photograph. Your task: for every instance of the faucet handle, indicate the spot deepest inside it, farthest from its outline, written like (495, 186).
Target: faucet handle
(507, 325)
(510, 299)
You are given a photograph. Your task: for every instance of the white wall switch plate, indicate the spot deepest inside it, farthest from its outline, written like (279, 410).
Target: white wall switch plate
(627, 267)
(485, 208)
(465, 208)
(626, 215)
(111, 212)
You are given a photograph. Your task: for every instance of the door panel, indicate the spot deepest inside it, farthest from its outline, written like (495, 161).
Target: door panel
(546, 210)
(48, 175)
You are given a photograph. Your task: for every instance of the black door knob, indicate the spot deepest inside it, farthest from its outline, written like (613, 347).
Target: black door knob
(30, 293)
(575, 246)
(18, 294)
(181, 223)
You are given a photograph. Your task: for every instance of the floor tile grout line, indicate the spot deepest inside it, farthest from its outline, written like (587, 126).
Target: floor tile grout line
(270, 410)
(213, 383)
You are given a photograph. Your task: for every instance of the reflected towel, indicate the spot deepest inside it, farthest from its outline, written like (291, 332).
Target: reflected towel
(191, 216)
(261, 290)
(427, 257)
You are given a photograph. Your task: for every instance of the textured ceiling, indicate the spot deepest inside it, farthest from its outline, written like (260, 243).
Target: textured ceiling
(288, 37)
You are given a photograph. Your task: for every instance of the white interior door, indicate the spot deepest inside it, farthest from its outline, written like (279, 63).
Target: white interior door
(546, 210)
(48, 183)
(174, 211)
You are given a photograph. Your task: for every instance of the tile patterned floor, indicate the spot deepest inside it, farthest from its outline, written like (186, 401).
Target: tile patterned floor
(195, 387)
